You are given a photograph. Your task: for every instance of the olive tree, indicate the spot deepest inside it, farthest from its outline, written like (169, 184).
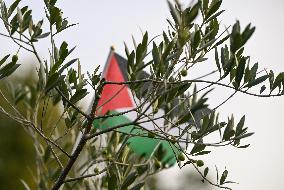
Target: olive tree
(74, 153)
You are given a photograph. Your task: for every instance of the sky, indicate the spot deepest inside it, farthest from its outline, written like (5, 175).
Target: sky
(111, 22)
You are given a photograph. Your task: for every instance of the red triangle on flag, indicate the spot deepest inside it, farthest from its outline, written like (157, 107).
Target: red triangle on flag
(114, 96)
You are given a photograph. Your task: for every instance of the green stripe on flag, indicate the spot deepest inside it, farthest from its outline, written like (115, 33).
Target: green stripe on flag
(142, 146)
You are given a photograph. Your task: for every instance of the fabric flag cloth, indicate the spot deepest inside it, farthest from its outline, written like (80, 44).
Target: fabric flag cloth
(116, 98)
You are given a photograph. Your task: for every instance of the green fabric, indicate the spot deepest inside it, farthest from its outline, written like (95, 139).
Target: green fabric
(142, 146)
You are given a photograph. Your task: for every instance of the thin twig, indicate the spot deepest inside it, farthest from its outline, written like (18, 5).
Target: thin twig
(84, 176)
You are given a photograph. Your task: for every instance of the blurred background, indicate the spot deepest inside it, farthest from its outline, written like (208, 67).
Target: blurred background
(110, 22)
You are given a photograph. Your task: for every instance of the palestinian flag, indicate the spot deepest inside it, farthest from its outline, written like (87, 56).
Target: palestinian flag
(118, 98)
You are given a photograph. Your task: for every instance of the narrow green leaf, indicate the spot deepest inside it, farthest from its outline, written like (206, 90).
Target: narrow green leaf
(205, 123)
(278, 81)
(2, 61)
(256, 81)
(44, 35)
(145, 40)
(228, 134)
(192, 14)
(13, 7)
(217, 60)
(4, 12)
(253, 71)
(244, 146)
(247, 33)
(131, 59)
(79, 94)
(19, 16)
(68, 64)
(229, 131)
(55, 15)
(175, 14)
(8, 70)
(214, 16)
(240, 71)
(223, 177)
(247, 74)
(235, 38)
(205, 4)
(156, 54)
(243, 136)
(126, 50)
(206, 170)
(167, 50)
(63, 51)
(214, 6)
(262, 89)
(240, 125)
(224, 56)
(196, 39)
(197, 148)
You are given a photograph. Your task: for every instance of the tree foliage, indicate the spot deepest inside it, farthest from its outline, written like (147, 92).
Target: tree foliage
(75, 154)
